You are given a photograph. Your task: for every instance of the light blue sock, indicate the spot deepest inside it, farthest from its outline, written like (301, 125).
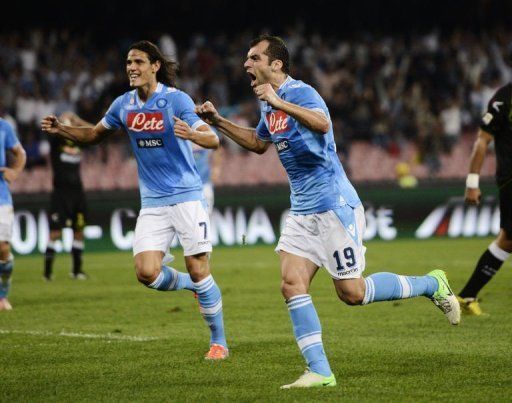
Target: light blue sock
(5, 277)
(170, 279)
(389, 287)
(210, 306)
(308, 333)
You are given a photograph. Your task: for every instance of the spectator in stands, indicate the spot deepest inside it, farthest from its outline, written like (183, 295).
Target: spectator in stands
(374, 84)
(451, 121)
(32, 145)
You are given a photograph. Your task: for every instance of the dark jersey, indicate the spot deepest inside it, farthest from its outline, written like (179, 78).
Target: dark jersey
(65, 157)
(498, 122)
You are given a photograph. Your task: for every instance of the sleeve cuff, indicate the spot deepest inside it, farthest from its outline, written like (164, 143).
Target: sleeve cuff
(104, 123)
(197, 124)
(319, 110)
(266, 140)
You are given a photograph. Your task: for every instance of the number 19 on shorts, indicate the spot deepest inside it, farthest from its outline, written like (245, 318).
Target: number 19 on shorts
(348, 258)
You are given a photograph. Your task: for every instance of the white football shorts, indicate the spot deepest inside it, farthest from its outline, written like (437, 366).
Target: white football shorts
(332, 239)
(157, 226)
(6, 222)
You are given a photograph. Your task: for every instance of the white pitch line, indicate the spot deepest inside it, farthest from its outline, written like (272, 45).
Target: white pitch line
(105, 336)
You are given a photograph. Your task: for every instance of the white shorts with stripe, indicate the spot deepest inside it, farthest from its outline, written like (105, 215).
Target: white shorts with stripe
(157, 226)
(332, 239)
(6, 222)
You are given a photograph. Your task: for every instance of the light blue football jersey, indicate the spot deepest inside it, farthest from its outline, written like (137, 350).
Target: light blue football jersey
(317, 180)
(8, 140)
(166, 166)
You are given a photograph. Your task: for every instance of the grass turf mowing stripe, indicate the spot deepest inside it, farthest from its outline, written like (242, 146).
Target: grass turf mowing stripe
(106, 336)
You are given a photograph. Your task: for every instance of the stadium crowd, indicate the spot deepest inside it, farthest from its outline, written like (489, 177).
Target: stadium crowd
(402, 97)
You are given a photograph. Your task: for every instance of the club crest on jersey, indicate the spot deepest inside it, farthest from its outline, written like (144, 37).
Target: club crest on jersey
(277, 122)
(161, 103)
(146, 122)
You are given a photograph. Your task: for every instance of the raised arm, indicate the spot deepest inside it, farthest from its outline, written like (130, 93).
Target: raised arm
(73, 119)
(11, 172)
(473, 194)
(85, 134)
(313, 119)
(246, 137)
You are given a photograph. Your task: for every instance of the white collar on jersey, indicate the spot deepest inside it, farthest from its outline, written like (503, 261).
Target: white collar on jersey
(285, 82)
(159, 88)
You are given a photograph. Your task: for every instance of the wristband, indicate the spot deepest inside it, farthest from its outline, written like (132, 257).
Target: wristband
(472, 181)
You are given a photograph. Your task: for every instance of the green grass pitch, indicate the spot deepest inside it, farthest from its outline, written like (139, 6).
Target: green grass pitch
(111, 339)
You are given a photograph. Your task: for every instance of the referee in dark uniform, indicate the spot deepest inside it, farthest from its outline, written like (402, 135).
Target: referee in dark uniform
(68, 204)
(496, 125)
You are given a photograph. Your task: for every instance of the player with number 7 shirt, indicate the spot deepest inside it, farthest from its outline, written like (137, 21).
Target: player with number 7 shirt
(161, 124)
(326, 223)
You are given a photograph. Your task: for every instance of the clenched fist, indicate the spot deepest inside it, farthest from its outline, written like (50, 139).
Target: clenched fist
(208, 113)
(50, 124)
(265, 92)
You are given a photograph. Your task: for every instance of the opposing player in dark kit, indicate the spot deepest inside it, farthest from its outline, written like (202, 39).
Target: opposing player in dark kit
(496, 125)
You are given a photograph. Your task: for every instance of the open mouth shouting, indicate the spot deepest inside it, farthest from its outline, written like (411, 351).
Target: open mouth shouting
(253, 79)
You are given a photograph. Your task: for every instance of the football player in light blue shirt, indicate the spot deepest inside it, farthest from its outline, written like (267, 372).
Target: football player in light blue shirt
(161, 124)
(326, 223)
(8, 143)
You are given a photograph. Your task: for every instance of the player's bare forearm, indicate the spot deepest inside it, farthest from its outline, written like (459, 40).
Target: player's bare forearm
(244, 136)
(313, 120)
(86, 134)
(20, 158)
(205, 138)
(78, 134)
(202, 136)
(17, 164)
(472, 193)
(477, 157)
(73, 119)
(479, 152)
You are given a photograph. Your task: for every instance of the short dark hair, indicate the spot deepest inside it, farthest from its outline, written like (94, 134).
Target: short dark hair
(276, 50)
(167, 72)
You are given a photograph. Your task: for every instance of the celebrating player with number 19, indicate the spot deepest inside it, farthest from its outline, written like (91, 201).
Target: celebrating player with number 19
(326, 223)
(159, 120)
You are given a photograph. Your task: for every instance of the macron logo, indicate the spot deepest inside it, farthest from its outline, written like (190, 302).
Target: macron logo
(352, 230)
(145, 122)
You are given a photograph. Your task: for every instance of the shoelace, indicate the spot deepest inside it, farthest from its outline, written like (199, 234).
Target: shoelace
(444, 305)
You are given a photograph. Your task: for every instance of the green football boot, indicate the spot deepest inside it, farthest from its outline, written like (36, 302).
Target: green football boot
(444, 298)
(312, 380)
